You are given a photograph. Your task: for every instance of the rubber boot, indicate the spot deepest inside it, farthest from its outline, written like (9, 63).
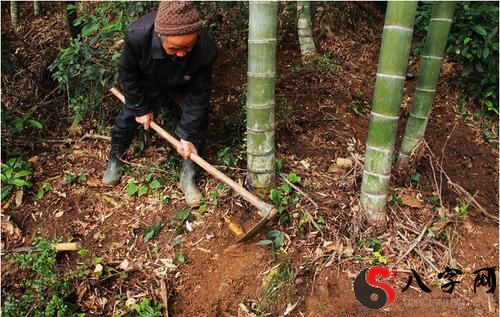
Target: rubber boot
(191, 191)
(120, 142)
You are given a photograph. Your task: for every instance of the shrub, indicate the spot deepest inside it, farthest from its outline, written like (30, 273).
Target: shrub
(45, 292)
(473, 41)
(15, 173)
(87, 67)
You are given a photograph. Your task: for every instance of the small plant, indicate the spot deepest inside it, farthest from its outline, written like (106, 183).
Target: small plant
(181, 216)
(147, 309)
(463, 209)
(134, 189)
(17, 123)
(379, 257)
(152, 231)
(180, 257)
(72, 178)
(283, 196)
(276, 240)
(375, 244)
(14, 174)
(228, 157)
(214, 195)
(46, 187)
(46, 291)
(277, 285)
(280, 164)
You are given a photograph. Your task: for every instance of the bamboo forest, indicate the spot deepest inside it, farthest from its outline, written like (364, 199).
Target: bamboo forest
(249, 158)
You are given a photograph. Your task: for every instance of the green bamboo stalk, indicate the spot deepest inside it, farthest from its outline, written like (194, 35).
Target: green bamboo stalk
(14, 13)
(432, 57)
(391, 74)
(260, 94)
(304, 29)
(36, 7)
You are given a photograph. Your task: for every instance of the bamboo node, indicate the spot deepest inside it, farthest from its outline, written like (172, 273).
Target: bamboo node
(384, 116)
(398, 27)
(418, 117)
(432, 57)
(376, 174)
(425, 90)
(391, 76)
(379, 149)
(441, 20)
(265, 75)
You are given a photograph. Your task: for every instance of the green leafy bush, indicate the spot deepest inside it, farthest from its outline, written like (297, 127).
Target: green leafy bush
(46, 291)
(14, 174)
(473, 41)
(87, 67)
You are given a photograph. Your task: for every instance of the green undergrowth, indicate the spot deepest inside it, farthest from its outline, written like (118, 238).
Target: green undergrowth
(46, 291)
(473, 42)
(278, 286)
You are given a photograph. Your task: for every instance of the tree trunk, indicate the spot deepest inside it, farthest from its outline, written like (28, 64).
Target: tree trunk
(391, 74)
(304, 28)
(71, 16)
(260, 95)
(36, 7)
(14, 14)
(432, 57)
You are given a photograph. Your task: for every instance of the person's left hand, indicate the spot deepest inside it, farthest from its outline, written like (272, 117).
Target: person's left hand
(186, 149)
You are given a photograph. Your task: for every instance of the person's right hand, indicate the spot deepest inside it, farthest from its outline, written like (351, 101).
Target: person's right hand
(145, 120)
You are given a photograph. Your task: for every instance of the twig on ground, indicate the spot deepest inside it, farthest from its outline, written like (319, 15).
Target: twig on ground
(442, 157)
(460, 190)
(164, 296)
(144, 166)
(298, 190)
(420, 236)
(86, 136)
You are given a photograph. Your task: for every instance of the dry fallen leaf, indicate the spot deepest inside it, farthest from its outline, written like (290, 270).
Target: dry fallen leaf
(344, 163)
(410, 200)
(329, 246)
(334, 169)
(9, 230)
(124, 265)
(19, 197)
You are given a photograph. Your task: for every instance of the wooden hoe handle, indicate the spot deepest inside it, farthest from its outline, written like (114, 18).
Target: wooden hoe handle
(263, 207)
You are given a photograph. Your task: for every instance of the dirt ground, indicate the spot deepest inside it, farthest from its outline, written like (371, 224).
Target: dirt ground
(322, 114)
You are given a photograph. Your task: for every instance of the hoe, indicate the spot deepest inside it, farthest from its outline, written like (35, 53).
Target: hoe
(267, 211)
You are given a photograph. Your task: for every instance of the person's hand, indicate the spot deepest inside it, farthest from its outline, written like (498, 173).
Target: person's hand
(145, 120)
(186, 149)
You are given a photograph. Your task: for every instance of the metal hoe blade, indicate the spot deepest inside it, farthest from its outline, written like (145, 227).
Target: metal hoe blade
(258, 227)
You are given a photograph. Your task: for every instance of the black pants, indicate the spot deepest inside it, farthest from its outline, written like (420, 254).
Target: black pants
(169, 104)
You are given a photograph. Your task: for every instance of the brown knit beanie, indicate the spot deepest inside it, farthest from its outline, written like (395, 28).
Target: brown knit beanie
(177, 18)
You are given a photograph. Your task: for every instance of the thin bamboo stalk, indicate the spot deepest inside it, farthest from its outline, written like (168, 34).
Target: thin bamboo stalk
(432, 57)
(391, 74)
(36, 7)
(260, 94)
(14, 13)
(304, 28)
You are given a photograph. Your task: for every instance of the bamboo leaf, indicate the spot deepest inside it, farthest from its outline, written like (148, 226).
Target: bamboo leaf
(142, 190)
(20, 182)
(155, 184)
(264, 242)
(35, 123)
(480, 30)
(131, 189)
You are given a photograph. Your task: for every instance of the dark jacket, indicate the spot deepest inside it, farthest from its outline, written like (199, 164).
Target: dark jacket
(146, 70)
